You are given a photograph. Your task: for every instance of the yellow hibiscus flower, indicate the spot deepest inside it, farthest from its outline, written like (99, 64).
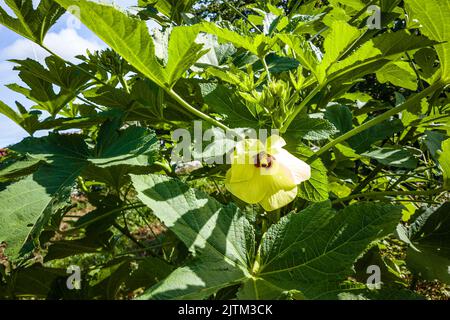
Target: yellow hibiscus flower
(265, 173)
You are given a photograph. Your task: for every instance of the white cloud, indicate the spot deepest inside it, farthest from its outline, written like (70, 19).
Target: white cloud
(67, 43)
(22, 49)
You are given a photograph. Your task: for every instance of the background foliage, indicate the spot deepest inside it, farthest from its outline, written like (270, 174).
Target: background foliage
(368, 109)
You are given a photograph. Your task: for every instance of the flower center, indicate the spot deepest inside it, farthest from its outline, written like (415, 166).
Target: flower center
(264, 160)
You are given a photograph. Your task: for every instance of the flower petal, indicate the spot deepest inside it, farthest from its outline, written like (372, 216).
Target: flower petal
(300, 170)
(242, 172)
(277, 177)
(278, 199)
(251, 191)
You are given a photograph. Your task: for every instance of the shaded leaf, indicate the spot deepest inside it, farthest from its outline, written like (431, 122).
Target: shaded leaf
(433, 15)
(220, 238)
(392, 156)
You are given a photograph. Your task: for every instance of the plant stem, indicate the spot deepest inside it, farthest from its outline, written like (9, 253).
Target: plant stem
(165, 166)
(402, 178)
(127, 233)
(389, 193)
(194, 111)
(369, 124)
(369, 178)
(124, 83)
(297, 110)
(242, 15)
(107, 215)
(413, 65)
(266, 67)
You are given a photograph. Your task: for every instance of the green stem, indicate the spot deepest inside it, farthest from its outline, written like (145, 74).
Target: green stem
(369, 124)
(242, 15)
(368, 179)
(413, 65)
(389, 194)
(124, 84)
(299, 108)
(82, 185)
(106, 215)
(266, 67)
(402, 178)
(127, 234)
(89, 102)
(194, 111)
(165, 166)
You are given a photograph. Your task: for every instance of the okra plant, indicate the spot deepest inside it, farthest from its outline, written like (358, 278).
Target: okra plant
(229, 150)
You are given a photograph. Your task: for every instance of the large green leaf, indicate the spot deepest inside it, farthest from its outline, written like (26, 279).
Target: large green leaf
(303, 51)
(277, 64)
(309, 128)
(173, 9)
(20, 168)
(28, 204)
(10, 113)
(147, 272)
(132, 146)
(130, 38)
(314, 250)
(316, 188)
(220, 238)
(434, 15)
(68, 77)
(41, 81)
(126, 35)
(342, 118)
(64, 158)
(37, 281)
(44, 95)
(393, 156)
(121, 152)
(28, 121)
(375, 53)
(258, 45)
(340, 36)
(398, 73)
(183, 52)
(28, 22)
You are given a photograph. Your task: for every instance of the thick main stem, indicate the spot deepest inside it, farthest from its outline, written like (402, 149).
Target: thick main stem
(369, 124)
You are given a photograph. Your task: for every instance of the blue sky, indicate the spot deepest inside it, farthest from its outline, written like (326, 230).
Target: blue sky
(68, 38)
